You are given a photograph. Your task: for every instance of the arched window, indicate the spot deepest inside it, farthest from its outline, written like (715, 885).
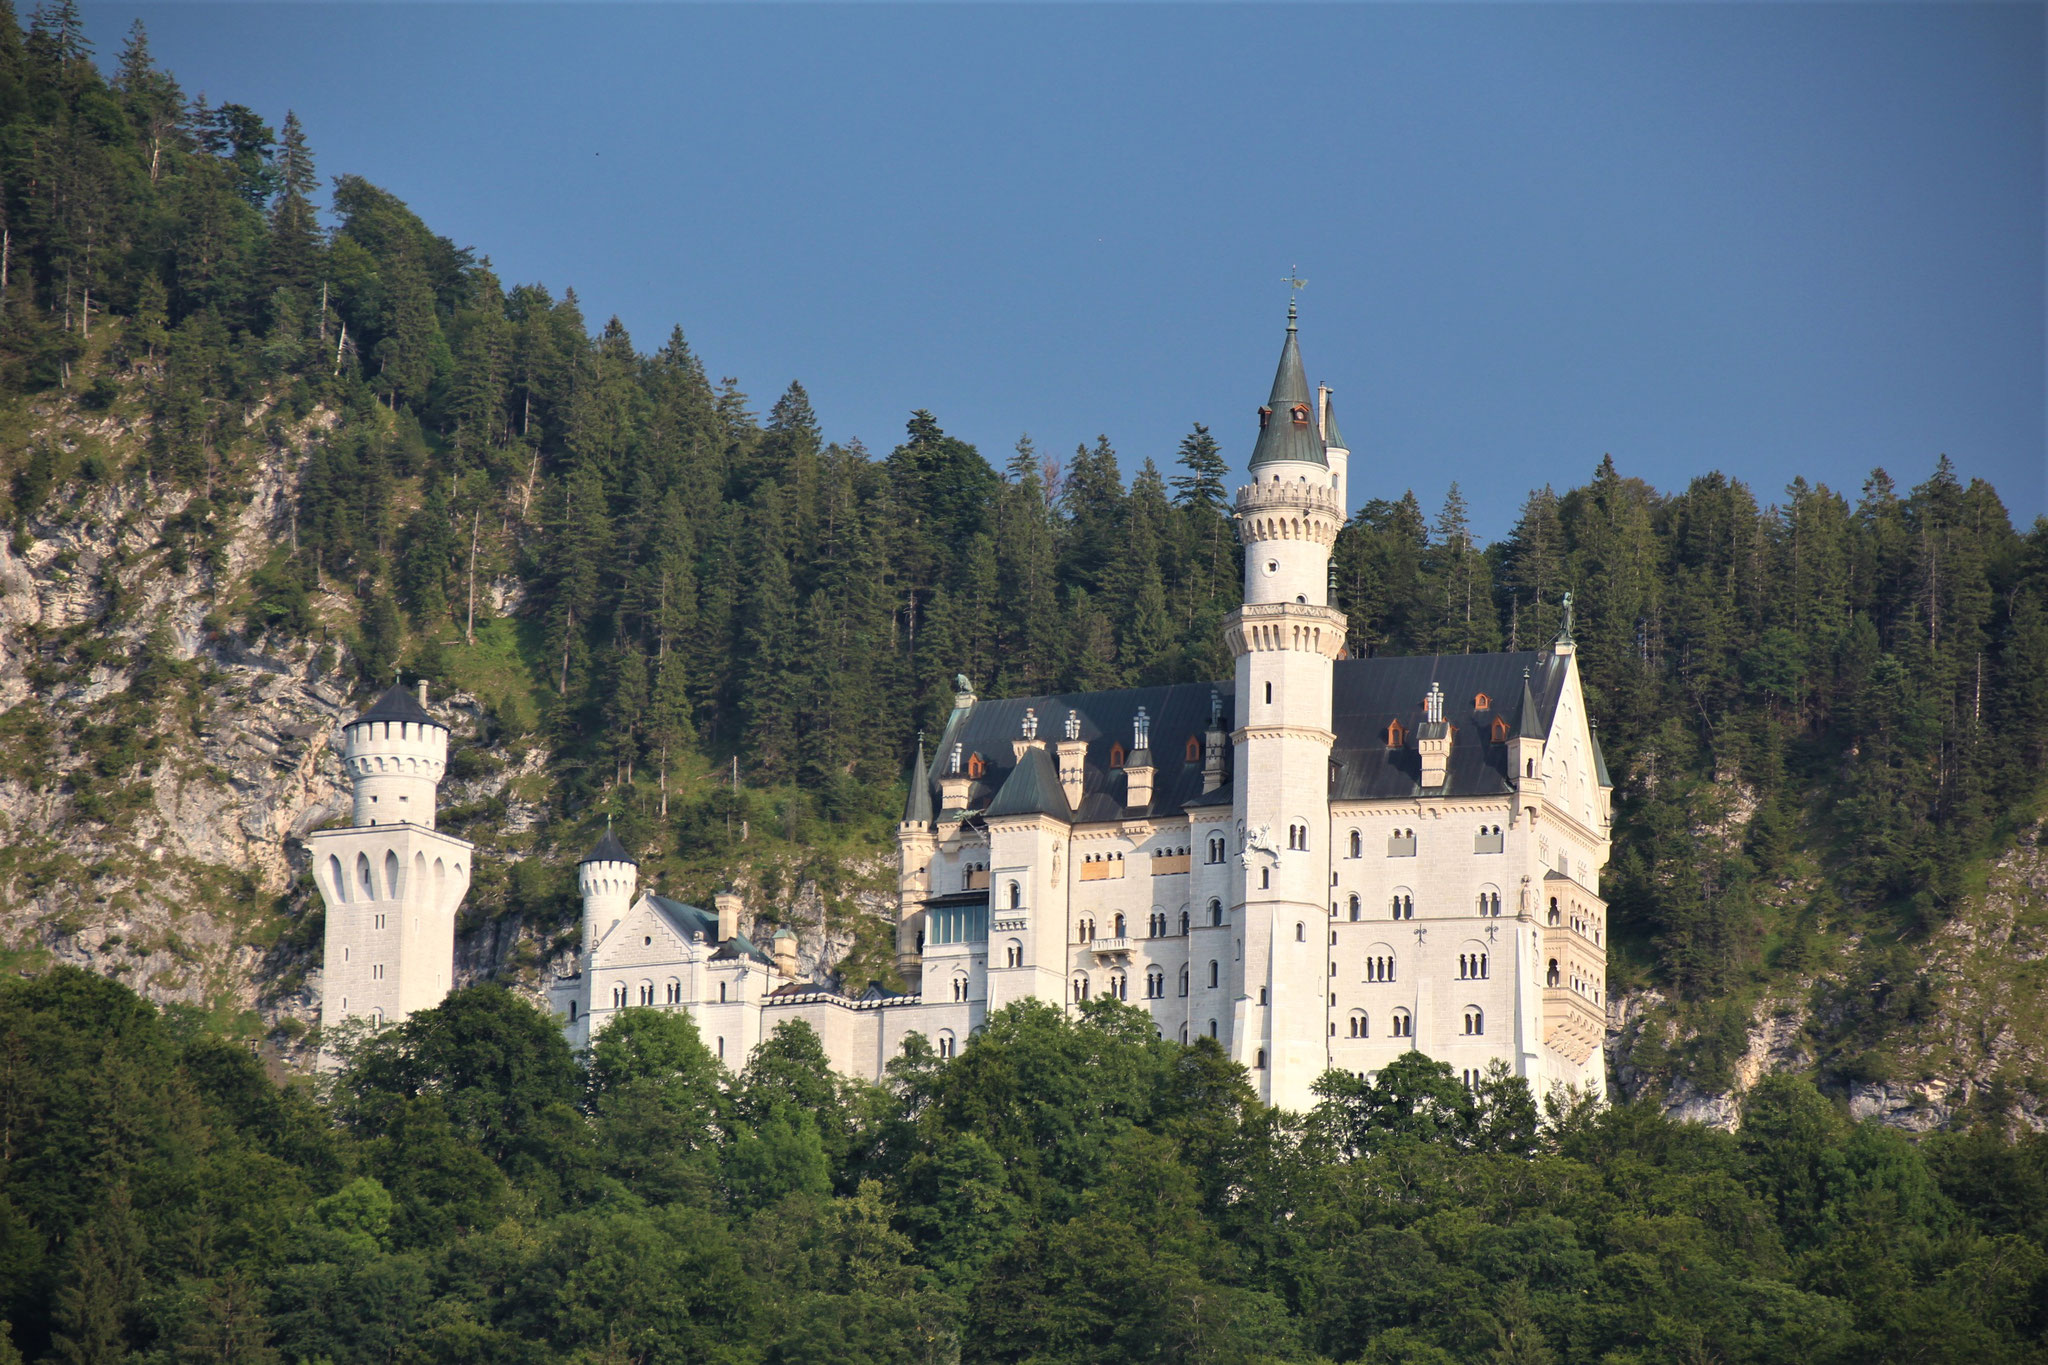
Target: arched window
(1080, 988)
(1531, 770)
(1269, 694)
(1215, 912)
(1358, 1024)
(1379, 963)
(1119, 986)
(1155, 984)
(572, 1011)
(1357, 844)
(1016, 896)
(1183, 1035)
(1193, 752)
(1183, 923)
(1212, 1028)
(1356, 909)
(1265, 879)
(675, 992)
(1119, 932)
(619, 996)
(1300, 932)
(647, 992)
(1475, 1021)
(1403, 905)
(1216, 849)
(1482, 702)
(1214, 975)
(1404, 1024)
(1116, 755)
(1500, 729)
(334, 876)
(1394, 734)
(1183, 978)
(945, 1044)
(363, 875)
(1013, 953)
(1550, 978)
(1553, 910)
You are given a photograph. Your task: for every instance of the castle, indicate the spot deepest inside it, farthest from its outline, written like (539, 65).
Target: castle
(1325, 862)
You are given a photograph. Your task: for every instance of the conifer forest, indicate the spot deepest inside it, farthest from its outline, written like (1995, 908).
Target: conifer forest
(1826, 712)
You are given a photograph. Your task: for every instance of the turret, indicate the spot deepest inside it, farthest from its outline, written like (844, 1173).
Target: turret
(728, 904)
(783, 949)
(1525, 752)
(1213, 742)
(606, 879)
(395, 754)
(1335, 449)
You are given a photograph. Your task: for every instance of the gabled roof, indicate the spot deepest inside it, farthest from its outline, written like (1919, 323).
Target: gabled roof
(688, 921)
(1369, 694)
(737, 947)
(608, 850)
(1280, 436)
(1032, 788)
(397, 704)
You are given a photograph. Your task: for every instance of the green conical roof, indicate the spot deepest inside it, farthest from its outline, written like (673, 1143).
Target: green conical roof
(1332, 438)
(917, 810)
(1287, 424)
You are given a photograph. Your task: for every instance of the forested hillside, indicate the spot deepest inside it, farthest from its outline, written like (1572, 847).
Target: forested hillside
(265, 437)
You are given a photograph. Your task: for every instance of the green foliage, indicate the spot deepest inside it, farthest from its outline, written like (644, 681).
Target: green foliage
(1070, 1188)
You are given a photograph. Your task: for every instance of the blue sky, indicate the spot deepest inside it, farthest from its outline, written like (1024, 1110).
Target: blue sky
(1756, 238)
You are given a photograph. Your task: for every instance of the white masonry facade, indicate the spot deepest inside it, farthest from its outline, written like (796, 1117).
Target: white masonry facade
(1323, 862)
(391, 882)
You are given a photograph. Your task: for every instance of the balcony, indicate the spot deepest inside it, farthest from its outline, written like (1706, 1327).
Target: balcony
(1170, 865)
(977, 879)
(1109, 869)
(1119, 946)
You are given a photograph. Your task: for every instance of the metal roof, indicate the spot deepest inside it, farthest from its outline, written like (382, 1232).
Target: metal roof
(1287, 424)
(400, 705)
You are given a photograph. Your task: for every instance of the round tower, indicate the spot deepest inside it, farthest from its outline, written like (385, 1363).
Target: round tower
(606, 878)
(1285, 640)
(395, 754)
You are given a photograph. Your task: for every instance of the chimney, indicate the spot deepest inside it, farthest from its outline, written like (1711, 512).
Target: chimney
(1028, 739)
(785, 954)
(1073, 760)
(423, 693)
(955, 784)
(728, 903)
(1433, 741)
(1138, 767)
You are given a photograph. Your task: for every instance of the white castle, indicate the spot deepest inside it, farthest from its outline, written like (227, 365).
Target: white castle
(1324, 863)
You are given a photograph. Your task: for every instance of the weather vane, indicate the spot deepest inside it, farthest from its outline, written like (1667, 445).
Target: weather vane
(1295, 284)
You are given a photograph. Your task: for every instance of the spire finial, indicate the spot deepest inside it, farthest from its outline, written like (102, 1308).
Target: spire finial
(1295, 284)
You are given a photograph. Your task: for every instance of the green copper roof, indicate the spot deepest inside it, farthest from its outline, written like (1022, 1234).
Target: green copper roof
(1331, 436)
(1528, 717)
(1033, 788)
(1287, 424)
(917, 810)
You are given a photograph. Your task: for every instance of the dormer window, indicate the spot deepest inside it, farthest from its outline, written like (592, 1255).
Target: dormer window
(975, 765)
(1265, 416)
(1301, 414)
(1193, 752)
(1394, 734)
(1500, 730)
(1116, 755)
(1482, 702)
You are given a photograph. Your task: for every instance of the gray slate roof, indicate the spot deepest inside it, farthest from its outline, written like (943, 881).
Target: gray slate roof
(1331, 436)
(398, 704)
(608, 850)
(1367, 694)
(917, 807)
(1281, 437)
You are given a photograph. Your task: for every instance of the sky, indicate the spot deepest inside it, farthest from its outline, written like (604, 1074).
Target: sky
(1761, 239)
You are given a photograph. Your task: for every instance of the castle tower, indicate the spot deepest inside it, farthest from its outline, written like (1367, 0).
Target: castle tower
(606, 879)
(1285, 639)
(916, 842)
(391, 882)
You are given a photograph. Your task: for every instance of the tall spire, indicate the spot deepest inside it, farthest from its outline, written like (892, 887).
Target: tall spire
(917, 808)
(1287, 423)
